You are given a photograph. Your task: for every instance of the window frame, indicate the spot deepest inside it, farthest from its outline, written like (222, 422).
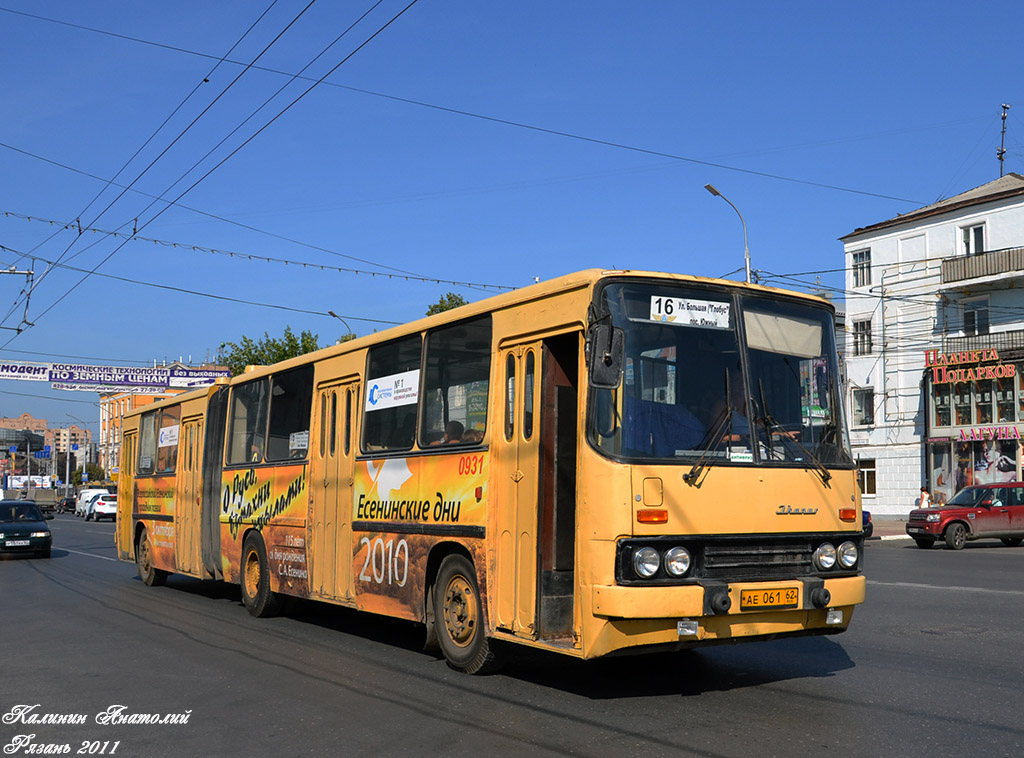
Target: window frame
(980, 321)
(860, 265)
(867, 407)
(862, 342)
(867, 475)
(969, 242)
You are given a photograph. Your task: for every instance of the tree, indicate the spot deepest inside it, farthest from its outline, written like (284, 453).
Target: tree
(446, 303)
(95, 473)
(267, 350)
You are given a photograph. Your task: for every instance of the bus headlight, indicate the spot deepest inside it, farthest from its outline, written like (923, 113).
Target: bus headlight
(847, 555)
(825, 556)
(677, 561)
(646, 562)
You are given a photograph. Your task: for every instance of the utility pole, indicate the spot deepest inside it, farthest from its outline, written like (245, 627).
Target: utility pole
(1001, 152)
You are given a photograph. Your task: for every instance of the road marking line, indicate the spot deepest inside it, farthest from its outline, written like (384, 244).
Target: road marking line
(944, 588)
(91, 555)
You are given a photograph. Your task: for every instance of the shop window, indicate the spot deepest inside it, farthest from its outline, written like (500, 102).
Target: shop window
(962, 403)
(940, 399)
(1005, 400)
(864, 407)
(862, 337)
(866, 475)
(983, 403)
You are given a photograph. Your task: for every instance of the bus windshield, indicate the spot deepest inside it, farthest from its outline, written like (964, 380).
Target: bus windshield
(718, 375)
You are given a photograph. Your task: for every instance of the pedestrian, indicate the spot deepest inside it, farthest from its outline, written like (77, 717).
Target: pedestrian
(924, 500)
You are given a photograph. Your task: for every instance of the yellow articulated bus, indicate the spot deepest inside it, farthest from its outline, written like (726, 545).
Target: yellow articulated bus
(611, 461)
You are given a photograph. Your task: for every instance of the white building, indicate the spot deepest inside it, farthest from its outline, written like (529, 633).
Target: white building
(935, 346)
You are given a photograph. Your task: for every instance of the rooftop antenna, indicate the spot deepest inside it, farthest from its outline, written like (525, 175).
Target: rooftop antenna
(1001, 152)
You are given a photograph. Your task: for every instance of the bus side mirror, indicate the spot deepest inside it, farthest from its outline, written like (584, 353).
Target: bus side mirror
(606, 350)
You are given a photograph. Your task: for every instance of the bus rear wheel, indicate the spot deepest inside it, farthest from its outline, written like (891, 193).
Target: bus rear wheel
(458, 618)
(256, 594)
(150, 575)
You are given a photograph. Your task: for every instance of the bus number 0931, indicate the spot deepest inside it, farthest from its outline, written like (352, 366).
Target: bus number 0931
(388, 562)
(471, 464)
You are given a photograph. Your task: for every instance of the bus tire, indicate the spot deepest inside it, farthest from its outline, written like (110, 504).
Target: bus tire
(256, 594)
(956, 536)
(150, 575)
(458, 618)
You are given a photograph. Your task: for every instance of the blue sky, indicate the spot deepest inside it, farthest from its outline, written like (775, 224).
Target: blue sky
(469, 142)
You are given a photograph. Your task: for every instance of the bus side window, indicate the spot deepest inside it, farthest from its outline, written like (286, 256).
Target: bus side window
(510, 396)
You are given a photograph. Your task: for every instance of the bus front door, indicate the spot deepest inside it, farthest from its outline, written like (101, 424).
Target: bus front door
(517, 487)
(330, 532)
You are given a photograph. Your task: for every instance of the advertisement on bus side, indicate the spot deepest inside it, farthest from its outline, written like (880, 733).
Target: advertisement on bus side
(272, 500)
(401, 508)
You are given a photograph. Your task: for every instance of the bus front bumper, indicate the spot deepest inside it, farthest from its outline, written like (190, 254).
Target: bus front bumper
(639, 602)
(678, 617)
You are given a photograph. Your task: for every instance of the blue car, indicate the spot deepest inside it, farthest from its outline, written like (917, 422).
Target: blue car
(868, 527)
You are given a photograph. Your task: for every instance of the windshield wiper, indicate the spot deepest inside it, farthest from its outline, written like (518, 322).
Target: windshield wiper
(715, 437)
(770, 424)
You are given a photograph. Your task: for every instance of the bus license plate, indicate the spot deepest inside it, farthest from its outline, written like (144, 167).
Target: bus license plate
(752, 600)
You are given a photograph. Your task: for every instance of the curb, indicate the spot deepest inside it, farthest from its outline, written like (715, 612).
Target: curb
(895, 537)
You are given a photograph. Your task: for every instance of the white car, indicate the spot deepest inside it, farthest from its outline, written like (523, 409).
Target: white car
(102, 506)
(82, 504)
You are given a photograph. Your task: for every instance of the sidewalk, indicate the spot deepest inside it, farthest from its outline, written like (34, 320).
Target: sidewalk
(890, 527)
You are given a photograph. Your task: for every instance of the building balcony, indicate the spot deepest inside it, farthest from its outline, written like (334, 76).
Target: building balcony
(992, 265)
(1001, 341)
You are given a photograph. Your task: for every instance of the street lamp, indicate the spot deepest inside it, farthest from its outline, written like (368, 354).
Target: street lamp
(746, 251)
(335, 315)
(67, 455)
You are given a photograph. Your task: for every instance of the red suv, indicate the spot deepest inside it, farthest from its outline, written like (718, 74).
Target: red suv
(979, 512)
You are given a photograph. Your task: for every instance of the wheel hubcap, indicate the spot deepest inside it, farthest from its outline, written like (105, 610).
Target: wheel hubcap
(460, 611)
(252, 573)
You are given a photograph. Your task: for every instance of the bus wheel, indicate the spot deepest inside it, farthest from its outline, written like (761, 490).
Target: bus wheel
(150, 575)
(956, 536)
(256, 593)
(458, 618)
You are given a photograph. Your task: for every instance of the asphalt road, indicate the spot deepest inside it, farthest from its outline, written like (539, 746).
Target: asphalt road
(932, 666)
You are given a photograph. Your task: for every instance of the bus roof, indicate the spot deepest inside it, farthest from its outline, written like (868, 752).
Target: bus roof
(566, 283)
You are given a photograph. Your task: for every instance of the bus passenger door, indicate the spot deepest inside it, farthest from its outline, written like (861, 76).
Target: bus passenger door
(123, 533)
(330, 553)
(188, 556)
(517, 444)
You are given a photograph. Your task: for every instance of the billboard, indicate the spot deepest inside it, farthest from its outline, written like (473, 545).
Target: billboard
(82, 378)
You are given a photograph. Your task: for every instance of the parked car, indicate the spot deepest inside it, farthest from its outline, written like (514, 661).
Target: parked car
(981, 511)
(84, 496)
(868, 527)
(22, 529)
(66, 505)
(102, 506)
